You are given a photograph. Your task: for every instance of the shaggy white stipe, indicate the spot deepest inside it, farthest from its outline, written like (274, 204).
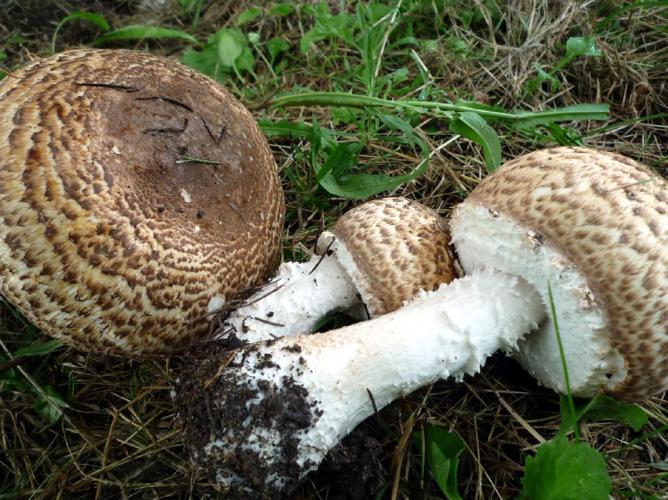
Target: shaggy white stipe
(487, 240)
(446, 333)
(294, 301)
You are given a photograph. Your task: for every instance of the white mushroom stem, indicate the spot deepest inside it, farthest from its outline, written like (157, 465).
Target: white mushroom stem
(294, 301)
(333, 382)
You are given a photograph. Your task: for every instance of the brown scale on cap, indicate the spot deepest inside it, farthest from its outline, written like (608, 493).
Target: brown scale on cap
(620, 244)
(400, 247)
(111, 238)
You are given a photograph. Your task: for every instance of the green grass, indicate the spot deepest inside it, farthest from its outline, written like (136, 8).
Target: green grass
(413, 98)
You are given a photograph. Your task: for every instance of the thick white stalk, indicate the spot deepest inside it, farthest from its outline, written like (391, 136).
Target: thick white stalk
(294, 301)
(329, 383)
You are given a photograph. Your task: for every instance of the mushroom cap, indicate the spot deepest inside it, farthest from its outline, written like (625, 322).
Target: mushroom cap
(599, 221)
(136, 195)
(392, 248)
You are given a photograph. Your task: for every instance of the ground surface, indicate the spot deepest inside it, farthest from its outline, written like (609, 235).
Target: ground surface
(87, 426)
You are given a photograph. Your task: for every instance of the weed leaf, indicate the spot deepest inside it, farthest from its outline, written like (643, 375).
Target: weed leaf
(577, 46)
(340, 161)
(576, 112)
(542, 76)
(282, 10)
(50, 404)
(89, 17)
(230, 47)
(226, 50)
(143, 32)
(443, 450)
(276, 46)
(38, 349)
(204, 61)
(10, 380)
(248, 15)
(472, 126)
(603, 408)
(564, 470)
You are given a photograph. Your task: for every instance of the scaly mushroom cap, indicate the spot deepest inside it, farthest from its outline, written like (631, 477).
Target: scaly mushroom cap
(135, 195)
(595, 225)
(392, 248)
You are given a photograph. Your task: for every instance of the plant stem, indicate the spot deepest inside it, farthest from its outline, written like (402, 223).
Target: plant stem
(344, 99)
(564, 365)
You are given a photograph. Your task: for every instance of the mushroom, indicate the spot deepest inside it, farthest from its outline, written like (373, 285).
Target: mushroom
(383, 251)
(136, 197)
(590, 226)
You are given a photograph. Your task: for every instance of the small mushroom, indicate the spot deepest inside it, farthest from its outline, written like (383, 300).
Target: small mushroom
(589, 226)
(379, 254)
(136, 196)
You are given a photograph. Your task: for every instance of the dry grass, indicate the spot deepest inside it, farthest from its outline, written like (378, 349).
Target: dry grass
(119, 437)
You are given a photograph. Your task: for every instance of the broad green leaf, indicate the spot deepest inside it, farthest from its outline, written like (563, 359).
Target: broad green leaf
(3, 55)
(563, 470)
(362, 186)
(39, 349)
(230, 47)
(443, 451)
(472, 126)
(89, 17)
(282, 10)
(2, 74)
(604, 408)
(248, 15)
(205, 60)
(334, 175)
(246, 61)
(339, 161)
(577, 46)
(276, 46)
(143, 32)
(359, 186)
(50, 404)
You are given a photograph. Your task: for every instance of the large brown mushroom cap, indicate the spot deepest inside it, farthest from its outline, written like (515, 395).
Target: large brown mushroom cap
(607, 216)
(399, 247)
(135, 195)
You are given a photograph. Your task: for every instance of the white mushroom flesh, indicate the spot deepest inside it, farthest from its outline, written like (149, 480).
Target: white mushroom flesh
(485, 239)
(296, 299)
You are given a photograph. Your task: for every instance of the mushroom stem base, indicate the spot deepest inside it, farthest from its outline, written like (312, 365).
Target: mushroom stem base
(283, 405)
